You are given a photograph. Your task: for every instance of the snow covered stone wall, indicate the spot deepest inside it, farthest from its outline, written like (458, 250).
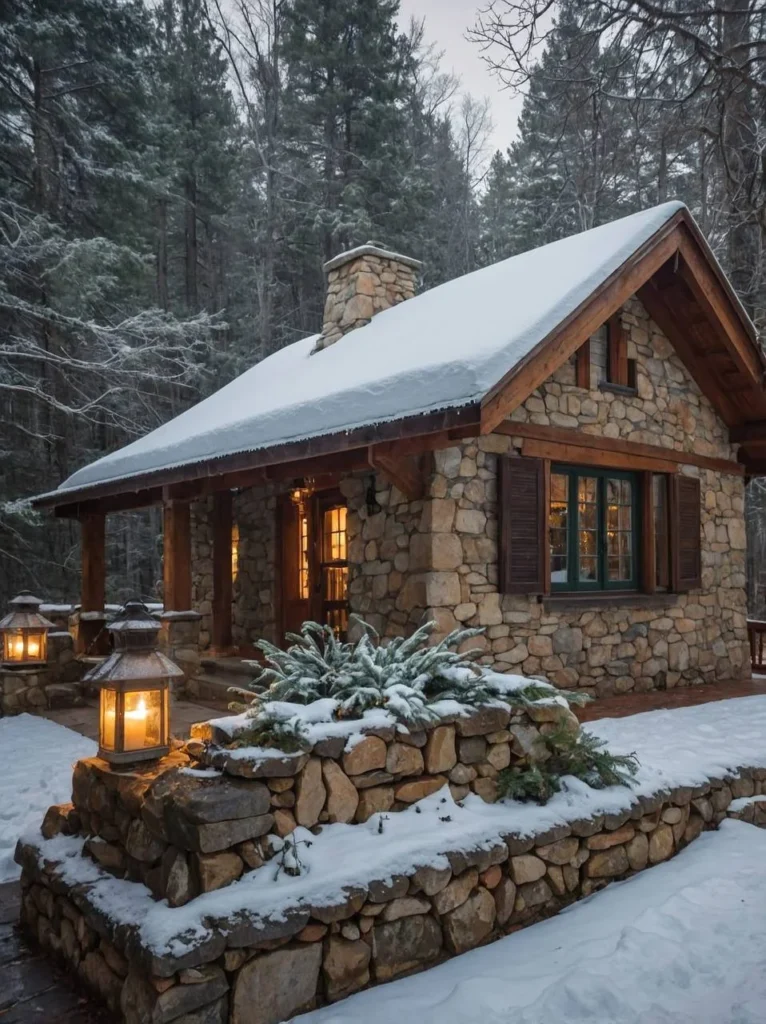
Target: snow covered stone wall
(338, 910)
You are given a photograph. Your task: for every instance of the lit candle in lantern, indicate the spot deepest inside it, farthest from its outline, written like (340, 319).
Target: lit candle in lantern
(33, 647)
(18, 647)
(135, 726)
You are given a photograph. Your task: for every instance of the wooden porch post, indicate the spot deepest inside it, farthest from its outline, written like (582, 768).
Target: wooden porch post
(222, 570)
(177, 556)
(93, 593)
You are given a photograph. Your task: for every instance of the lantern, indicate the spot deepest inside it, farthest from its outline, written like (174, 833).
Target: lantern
(25, 633)
(134, 713)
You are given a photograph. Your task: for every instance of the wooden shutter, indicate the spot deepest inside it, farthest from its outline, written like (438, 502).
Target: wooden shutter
(685, 527)
(582, 366)
(617, 351)
(522, 515)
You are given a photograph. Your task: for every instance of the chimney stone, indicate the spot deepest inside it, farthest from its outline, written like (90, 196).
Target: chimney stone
(360, 283)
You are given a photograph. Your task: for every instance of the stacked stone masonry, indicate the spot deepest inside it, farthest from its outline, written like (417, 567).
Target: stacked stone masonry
(264, 971)
(182, 836)
(363, 286)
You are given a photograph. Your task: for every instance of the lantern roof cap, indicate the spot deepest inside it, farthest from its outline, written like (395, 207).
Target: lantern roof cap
(135, 617)
(24, 614)
(25, 599)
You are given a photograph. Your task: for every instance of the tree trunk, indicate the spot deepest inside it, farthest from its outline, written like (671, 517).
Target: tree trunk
(190, 196)
(162, 253)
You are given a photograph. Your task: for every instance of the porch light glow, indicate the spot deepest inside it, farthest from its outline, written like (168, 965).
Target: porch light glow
(24, 633)
(134, 716)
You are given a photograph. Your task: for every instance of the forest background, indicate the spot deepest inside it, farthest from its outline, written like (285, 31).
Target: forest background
(174, 173)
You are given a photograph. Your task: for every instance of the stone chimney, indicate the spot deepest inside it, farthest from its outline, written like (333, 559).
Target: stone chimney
(361, 283)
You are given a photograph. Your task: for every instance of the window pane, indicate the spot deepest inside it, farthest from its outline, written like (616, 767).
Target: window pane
(303, 555)
(335, 534)
(558, 527)
(586, 489)
(587, 528)
(588, 568)
(619, 530)
(559, 487)
(661, 532)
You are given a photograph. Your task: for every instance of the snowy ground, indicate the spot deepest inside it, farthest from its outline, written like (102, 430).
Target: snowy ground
(683, 943)
(36, 772)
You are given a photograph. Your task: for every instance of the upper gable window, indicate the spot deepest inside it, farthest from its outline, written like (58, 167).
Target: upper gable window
(603, 359)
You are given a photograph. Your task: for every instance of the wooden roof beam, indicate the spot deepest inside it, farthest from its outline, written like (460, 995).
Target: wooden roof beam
(660, 311)
(695, 270)
(755, 431)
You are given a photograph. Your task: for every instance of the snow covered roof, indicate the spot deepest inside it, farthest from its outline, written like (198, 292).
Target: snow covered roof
(442, 349)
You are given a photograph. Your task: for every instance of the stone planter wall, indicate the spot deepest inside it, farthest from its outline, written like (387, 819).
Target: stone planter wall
(262, 971)
(182, 835)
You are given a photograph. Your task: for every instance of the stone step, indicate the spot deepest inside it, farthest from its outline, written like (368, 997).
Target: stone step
(64, 695)
(206, 687)
(235, 668)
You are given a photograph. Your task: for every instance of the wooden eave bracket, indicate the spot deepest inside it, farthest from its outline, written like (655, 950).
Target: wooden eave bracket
(405, 470)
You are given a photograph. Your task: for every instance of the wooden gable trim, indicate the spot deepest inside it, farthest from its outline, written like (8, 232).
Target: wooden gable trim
(546, 357)
(695, 269)
(663, 315)
(699, 271)
(618, 447)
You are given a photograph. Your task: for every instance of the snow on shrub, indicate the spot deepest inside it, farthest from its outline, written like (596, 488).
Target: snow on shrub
(416, 682)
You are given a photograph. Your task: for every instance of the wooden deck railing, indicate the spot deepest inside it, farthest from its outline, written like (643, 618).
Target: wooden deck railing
(756, 634)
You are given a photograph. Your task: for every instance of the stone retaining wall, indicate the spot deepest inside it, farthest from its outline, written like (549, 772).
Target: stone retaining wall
(182, 834)
(262, 971)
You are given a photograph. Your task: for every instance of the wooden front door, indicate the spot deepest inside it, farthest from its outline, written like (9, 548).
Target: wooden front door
(314, 561)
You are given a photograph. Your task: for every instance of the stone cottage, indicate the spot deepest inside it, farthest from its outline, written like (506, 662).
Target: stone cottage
(554, 448)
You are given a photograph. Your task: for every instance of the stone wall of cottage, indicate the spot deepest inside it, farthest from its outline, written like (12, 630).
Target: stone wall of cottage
(677, 639)
(254, 602)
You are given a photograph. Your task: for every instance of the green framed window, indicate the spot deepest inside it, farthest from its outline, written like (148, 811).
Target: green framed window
(593, 529)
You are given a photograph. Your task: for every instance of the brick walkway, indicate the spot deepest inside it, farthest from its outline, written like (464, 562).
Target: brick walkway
(31, 988)
(681, 697)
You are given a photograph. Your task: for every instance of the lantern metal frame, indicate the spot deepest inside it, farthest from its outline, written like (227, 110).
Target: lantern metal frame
(135, 666)
(24, 621)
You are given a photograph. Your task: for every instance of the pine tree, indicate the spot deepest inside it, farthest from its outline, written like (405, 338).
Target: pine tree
(86, 360)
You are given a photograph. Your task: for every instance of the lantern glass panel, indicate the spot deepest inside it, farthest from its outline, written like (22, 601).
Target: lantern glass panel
(14, 647)
(108, 719)
(143, 719)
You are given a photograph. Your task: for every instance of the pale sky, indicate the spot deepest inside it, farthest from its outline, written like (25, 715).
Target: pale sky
(446, 25)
